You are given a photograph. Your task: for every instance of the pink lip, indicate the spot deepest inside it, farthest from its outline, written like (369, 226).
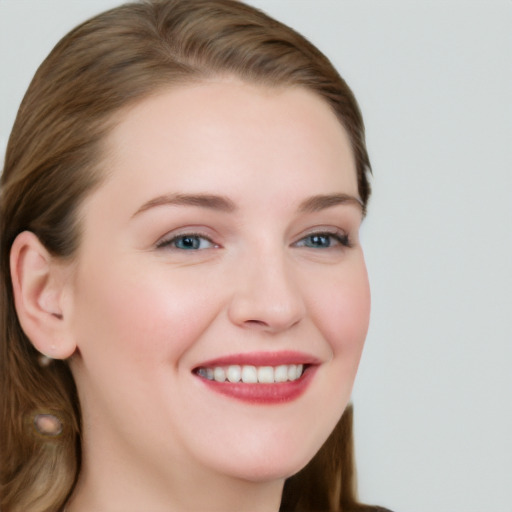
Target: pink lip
(276, 393)
(262, 359)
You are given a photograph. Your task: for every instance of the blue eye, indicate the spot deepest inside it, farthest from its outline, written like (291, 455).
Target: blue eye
(187, 243)
(323, 241)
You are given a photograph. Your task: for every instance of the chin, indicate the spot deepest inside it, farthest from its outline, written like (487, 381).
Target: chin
(269, 465)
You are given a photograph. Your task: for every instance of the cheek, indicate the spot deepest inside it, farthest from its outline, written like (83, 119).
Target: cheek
(140, 319)
(344, 312)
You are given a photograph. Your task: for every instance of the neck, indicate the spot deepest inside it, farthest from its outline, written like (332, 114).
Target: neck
(235, 497)
(113, 483)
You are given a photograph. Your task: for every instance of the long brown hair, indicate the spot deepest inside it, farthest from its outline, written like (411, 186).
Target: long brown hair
(53, 161)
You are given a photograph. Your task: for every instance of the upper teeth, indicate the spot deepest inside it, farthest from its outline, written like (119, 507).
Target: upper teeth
(253, 374)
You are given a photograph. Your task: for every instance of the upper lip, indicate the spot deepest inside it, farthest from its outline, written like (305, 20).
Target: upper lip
(261, 359)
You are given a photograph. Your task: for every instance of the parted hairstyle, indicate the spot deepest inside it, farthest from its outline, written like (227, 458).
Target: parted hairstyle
(54, 161)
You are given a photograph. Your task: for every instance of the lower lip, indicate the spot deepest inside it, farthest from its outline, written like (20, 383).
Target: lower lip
(276, 393)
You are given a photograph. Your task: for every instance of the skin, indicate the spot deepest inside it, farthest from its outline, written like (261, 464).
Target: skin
(143, 314)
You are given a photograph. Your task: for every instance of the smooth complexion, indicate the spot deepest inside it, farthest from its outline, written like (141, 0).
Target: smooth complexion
(226, 229)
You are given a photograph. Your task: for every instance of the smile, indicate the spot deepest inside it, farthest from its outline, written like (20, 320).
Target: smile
(253, 374)
(259, 378)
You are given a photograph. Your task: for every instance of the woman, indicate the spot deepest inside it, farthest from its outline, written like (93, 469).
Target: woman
(185, 299)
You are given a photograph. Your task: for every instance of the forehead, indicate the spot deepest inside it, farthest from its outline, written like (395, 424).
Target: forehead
(229, 134)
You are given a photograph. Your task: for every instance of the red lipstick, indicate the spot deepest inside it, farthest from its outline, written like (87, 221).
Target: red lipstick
(263, 359)
(259, 377)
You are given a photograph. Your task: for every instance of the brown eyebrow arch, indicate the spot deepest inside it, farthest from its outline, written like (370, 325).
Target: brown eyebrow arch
(210, 201)
(321, 202)
(224, 204)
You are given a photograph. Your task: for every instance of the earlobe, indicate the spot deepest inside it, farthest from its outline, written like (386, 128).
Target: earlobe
(39, 286)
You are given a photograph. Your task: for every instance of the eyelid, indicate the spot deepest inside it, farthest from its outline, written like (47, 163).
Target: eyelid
(342, 237)
(167, 240)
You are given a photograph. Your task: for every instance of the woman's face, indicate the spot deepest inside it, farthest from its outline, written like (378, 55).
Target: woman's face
(223, 244)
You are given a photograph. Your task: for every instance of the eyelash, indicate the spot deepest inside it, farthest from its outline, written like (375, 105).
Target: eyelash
(168, 242)
(340, 239)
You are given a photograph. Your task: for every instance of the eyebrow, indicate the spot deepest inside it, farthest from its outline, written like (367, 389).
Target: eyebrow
(220, 203)
(209, 201)
(322, 202)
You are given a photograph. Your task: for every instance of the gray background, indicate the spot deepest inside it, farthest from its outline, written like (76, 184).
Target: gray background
(434, 80)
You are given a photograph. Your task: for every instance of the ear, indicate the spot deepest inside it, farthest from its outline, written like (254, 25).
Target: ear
(40, 284)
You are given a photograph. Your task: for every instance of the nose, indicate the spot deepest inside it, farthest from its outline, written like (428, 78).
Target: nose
(266, 296)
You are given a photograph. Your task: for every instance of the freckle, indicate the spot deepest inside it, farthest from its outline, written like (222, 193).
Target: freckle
(48, 424)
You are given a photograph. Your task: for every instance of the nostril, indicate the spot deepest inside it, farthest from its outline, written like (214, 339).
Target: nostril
(255, 309)
(256, 323)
